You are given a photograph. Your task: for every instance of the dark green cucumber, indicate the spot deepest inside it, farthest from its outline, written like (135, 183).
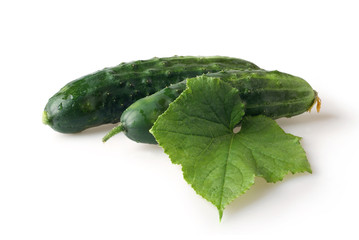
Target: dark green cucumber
(101, 97)
(269, 93)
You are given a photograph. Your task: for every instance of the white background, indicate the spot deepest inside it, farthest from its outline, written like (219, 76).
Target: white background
(56, 186)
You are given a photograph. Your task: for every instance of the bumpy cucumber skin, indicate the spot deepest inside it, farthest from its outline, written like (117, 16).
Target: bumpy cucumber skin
(101, 97)
(270, 93)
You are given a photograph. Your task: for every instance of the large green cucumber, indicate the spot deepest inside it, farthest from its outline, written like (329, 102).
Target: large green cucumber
(101, 97)
(271, 93)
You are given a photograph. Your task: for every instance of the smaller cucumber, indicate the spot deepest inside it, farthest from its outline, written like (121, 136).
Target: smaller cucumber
(270, 93)
(138, 118)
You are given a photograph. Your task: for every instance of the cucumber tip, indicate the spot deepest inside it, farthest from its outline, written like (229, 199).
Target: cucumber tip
(45, 118)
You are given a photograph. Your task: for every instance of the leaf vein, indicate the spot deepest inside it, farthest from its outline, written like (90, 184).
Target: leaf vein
(276, 159)
(201, 118)
(225, 170)
(215, 113)
(186, 134)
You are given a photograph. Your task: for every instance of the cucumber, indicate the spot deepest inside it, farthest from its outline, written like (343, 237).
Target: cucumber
(270, 93)
(101, 97)
(138, 118)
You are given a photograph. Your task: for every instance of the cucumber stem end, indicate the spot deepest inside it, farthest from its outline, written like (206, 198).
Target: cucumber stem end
(317, 101)
(113, 132)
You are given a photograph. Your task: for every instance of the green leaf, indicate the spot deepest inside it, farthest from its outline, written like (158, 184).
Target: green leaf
(197, 132)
